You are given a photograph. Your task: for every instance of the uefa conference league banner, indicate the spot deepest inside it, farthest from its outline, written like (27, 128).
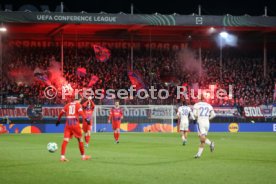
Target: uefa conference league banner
(39, 112)
(143, 19)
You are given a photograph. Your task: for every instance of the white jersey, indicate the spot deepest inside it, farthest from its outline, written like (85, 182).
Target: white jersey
(183, 113)
(203, 112)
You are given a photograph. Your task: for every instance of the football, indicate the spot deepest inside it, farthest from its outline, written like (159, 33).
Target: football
(52, 147)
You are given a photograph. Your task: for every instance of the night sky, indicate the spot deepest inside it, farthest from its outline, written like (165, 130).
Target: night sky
(183, 7)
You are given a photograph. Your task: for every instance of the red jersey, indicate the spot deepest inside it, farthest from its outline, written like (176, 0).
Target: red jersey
(72, 111)
(88, 108)
(116, 114)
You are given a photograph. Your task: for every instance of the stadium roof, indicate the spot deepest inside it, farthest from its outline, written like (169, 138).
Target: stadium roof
(34, 25)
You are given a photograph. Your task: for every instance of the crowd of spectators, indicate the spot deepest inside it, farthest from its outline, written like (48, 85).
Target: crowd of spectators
(163, 69)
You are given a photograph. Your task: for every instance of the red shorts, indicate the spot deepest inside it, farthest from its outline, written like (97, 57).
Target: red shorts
(86, 127)
(116, 125)
(75, 130)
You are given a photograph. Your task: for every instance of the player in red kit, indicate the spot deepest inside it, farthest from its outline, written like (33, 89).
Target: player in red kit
(88, 108)
(116, 115)
(72, 128)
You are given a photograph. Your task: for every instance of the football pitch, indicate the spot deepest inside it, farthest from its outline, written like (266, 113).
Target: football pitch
(140, 158)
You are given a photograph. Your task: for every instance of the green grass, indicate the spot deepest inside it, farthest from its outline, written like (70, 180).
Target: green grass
(140, 158)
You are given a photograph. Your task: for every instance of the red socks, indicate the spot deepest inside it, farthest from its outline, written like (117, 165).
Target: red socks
(87, 139)
(81, 147)
(63, 147)
(64, 144)
(116, 136)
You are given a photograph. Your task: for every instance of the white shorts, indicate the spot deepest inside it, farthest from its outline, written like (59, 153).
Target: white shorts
(184, 126)
(203, 128)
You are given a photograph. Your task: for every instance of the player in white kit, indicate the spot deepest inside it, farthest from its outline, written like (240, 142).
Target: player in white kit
(183, 114)
(203, 112)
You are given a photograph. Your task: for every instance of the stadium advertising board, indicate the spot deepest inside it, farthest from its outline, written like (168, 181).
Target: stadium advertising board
(33, 112)
(146, 118)
(37, 112)
(233, 127)
(129, 111)
(226, 111)
(162, 112)
(253, 112)
(143, 127)
(265, 111)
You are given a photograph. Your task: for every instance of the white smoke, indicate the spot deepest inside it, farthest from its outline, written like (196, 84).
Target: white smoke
(188, 61)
